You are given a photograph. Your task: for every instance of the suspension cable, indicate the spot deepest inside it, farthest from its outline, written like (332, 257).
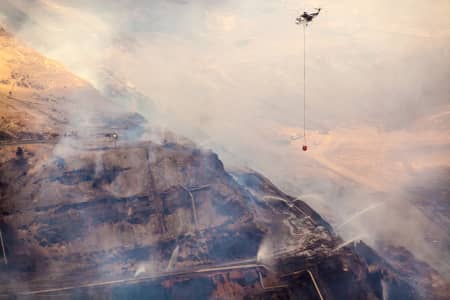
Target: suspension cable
(304, 82)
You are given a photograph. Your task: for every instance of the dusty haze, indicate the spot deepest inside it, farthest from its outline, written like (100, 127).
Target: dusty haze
(228, 75)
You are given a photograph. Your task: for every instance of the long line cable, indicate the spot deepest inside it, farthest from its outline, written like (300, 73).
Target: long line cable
(304, 82)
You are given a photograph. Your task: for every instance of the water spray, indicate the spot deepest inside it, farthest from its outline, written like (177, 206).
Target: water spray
(358, 214)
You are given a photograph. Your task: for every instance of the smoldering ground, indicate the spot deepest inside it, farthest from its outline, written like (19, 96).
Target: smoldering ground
(228, 76)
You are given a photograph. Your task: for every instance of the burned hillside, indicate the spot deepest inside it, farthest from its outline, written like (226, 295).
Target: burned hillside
(96, 204)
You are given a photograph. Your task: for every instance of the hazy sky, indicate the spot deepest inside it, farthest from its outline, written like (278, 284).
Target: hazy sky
(228, 74)
(368, 61)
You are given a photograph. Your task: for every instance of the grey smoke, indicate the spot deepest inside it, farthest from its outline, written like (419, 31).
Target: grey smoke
(228, 76)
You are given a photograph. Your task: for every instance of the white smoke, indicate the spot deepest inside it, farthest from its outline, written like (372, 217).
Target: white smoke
(228, 76)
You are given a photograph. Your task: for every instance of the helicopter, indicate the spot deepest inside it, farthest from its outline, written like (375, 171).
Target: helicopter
(306, 17)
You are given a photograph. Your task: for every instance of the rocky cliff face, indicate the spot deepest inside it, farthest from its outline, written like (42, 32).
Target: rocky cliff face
(95, 205)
